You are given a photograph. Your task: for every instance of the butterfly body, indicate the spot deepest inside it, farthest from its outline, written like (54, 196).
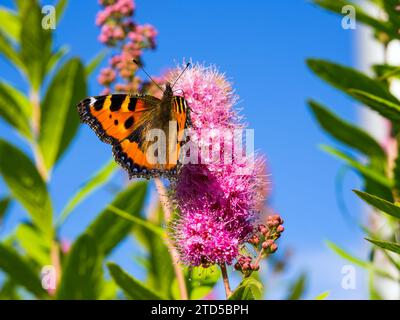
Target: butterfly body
(124, 121)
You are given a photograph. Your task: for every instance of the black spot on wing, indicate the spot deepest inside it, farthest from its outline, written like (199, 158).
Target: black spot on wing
(116, 101)
(98, 105)
(132, 104)
(128, 123)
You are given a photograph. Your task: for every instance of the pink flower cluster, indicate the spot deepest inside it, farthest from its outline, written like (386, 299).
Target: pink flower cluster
(119, 31)
(218, 207)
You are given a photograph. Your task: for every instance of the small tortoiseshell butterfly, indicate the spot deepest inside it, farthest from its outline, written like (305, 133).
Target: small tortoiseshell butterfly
(123, 120)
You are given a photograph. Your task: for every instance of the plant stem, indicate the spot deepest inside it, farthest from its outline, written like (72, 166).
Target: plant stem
(34, 99)
(55, 261)
(225, 278)
(167, 209)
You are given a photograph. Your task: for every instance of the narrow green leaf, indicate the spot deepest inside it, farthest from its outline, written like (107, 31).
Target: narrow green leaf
(298, 287)
(150, 234)
(95, 62)
(346, 132)
(396, 169)
(109, 229)
(138, 221)
(26, 185)
(386, 108)
(380, 204)
(20, 271)
(60, 121)
(98, 180)
(10, 24)
(359, 262)
(36, 43)
(322, 296)
(15, 109)
(345, 79)
(55, 58)
(391, 246)
(362, 169)
(60, 8)
(132, 288)
(9, 52)
(385, 71)
(82, 276)
(8, 291)
(248, 289)
(336, 6)
(33, 243)
(4, 205)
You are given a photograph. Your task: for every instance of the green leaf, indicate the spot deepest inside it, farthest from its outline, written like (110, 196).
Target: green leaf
(345, 78)
(36, 43)
(202, 281)
(82, 276)
(391, 246)
(385, 71)
(9, 52)
(148, 226)
(110, 229)
(15, 109)
(60, 8)
(20, 271)
(109, 291)
(359, 262)
(248, 289)
(391, 9)
(385, 108)
(322, 296)
(4, 205)
(98, 180)
(8, 291)
(10, 24)
(362, 169)
(26, 185)
(380, 204)
(337, 5)
(150, 234)
(298, 287)
(34, 244)
(132, 288)
(346, 132)
(60, 121)
(95, 62)
(55, 58)
(396, 168)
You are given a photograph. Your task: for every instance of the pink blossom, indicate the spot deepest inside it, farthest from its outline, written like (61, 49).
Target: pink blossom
(119, 31)
(218, 205)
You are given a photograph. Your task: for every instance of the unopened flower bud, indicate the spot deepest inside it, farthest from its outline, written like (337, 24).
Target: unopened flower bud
(274, 247)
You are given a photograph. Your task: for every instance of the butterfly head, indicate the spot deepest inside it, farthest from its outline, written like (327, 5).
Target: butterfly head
(168, 93)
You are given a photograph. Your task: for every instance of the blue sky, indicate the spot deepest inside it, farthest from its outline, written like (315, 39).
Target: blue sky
(261, 46)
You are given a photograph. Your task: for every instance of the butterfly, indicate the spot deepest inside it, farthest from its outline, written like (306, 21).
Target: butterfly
(125, 120)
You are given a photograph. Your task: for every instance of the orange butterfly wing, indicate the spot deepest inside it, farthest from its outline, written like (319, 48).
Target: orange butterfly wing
(112, 117)
(118, 120)
(131, 154)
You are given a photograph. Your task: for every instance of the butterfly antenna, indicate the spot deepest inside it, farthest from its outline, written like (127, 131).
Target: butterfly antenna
(140, 67)
(183, 71)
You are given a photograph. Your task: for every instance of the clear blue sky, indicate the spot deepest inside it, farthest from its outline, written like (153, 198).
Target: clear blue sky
(261, 46)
